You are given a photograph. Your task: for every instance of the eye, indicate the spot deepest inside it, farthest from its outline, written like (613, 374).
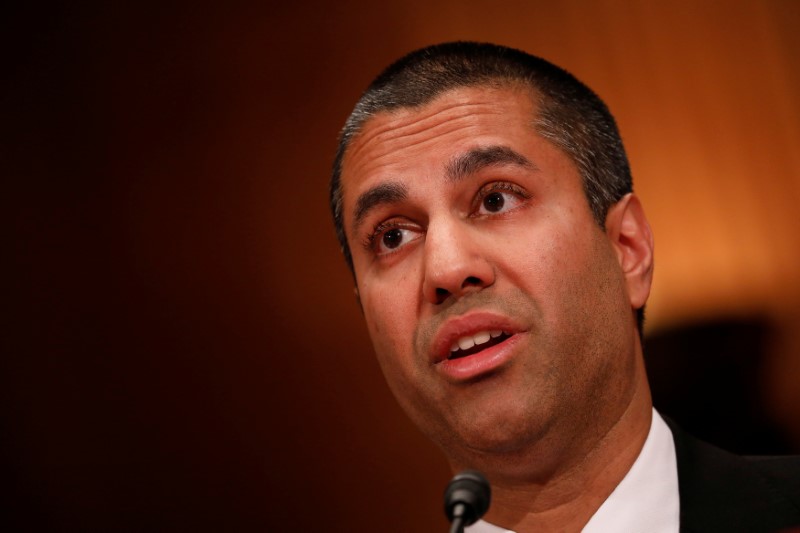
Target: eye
(393, 238)
(494, 202)
(389, 237)
(497, 198)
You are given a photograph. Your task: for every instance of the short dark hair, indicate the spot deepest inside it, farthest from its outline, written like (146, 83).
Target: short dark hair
(570, 115)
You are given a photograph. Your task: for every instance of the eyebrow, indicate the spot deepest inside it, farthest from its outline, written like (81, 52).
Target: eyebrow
(477, 159)
(385, 193)
(457, 169)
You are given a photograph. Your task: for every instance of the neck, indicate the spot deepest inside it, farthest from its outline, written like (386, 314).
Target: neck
(564, 497)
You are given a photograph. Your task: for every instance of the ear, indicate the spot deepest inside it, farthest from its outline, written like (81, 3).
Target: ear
(630, 235)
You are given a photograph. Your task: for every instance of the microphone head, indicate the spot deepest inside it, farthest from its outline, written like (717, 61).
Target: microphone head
(468, 495)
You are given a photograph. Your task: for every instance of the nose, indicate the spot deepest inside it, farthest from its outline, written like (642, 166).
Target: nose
(455, 262)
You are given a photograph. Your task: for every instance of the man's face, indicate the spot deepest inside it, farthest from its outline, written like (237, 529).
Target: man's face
(471, 232)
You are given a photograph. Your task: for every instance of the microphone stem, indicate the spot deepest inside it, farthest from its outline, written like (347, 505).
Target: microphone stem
(457, 526)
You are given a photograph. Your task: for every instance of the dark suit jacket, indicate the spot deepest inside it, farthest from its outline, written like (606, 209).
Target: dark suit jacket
(723, 492)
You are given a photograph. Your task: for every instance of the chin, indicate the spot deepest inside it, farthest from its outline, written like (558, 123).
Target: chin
(496, 435)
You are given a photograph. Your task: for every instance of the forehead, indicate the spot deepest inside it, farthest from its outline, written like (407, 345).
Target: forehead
(392, 143)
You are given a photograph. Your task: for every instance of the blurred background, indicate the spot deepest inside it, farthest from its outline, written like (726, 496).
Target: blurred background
(181, 348)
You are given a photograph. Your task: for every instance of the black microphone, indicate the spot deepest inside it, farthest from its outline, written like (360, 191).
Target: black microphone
(466, 499)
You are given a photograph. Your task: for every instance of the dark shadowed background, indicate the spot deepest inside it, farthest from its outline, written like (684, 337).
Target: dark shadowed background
(181, 349)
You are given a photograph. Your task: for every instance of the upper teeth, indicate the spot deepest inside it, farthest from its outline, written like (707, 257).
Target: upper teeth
(468, 341)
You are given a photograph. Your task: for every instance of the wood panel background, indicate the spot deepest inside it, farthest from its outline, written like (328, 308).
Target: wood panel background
(182, 351)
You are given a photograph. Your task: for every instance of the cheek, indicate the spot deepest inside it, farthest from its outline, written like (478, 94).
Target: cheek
(537, 259)
(568, 275)
(389, 297)
(390, 318)
(592, 290)
(390, 322)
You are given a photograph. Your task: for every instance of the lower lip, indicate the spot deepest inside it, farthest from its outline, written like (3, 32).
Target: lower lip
(483, 362)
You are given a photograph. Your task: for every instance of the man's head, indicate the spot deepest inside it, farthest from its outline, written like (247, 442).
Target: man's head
(480, 196)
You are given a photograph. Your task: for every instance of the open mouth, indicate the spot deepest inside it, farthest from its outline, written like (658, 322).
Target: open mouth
(472, 344)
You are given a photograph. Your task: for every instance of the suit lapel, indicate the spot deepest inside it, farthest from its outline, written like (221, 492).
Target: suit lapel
(720, 491)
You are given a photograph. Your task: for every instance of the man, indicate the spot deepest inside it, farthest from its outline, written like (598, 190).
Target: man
(483, 201)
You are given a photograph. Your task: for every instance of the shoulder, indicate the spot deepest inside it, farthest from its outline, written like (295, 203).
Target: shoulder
(782, 470)
(720, 491)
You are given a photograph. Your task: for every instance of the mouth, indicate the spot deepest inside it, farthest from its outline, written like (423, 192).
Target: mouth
(472, 344)
(476, 344)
